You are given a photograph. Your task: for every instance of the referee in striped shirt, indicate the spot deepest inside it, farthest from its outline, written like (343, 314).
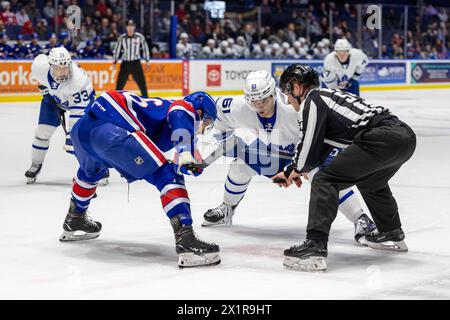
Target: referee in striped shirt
(131, 47)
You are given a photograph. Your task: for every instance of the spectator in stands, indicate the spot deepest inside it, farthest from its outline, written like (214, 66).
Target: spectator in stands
(6, 52)
(87, 29)
(8, 17)
(41, 29)
(249, 34)
(89, 9)
(196, 31)
(33, 11)
(181, 12)
(49, 11)
(104, 29)
(184, 48)
(101, 7)
(22, 16)
(290, 33)
(33, 48)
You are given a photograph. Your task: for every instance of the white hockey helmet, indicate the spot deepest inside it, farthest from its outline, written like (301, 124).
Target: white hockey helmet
(342, 45)
(60, 64)
(258, 86)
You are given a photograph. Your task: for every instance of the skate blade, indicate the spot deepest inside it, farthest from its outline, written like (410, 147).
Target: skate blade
(399, 246)
(221, 223)
(191, 260)
(311, 264)
(31, 180)
(216, 224)
(69, 236)
(361, 242)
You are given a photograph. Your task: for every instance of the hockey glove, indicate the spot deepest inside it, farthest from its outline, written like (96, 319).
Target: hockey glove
(187, 165)
(68, 146)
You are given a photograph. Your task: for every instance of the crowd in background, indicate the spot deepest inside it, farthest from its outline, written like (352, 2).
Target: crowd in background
(271, 29)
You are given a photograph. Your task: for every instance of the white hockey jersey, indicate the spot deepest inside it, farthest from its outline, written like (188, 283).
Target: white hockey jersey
(73, 95)
(280, 132)
(335, 72)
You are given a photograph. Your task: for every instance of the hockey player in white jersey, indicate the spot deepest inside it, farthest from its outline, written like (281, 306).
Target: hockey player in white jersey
(265, 130)
(64, 87)
(343, 67)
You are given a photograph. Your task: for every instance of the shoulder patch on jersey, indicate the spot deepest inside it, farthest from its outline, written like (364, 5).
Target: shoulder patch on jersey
(183, 106)
(40, 68)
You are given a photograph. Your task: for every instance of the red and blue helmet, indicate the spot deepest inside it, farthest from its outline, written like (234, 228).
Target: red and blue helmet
(202, 100)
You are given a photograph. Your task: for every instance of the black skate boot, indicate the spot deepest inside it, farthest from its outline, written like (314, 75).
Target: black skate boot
(309, 256)
(393, 240)
(363, 226)
(32, 173)
(105, 180)
(81, 224)
(219, 216)
(192, 252)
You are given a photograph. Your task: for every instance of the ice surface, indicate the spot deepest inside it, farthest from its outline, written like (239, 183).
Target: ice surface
(135, 257)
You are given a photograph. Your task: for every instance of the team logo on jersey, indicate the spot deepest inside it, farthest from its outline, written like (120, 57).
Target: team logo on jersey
(139, 161)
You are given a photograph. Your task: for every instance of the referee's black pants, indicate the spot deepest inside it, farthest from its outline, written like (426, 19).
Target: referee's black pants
(376, 154)
(135, 68)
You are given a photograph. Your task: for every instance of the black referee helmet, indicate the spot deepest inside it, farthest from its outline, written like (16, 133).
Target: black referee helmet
(303, 74)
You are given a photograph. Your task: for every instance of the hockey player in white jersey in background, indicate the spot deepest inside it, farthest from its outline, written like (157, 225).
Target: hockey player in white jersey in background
(343, 67)
(263, 128)
(64, 87)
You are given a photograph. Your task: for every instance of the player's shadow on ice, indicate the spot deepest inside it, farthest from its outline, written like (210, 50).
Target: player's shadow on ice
(373, 260)
(126, 252)
(290, 234)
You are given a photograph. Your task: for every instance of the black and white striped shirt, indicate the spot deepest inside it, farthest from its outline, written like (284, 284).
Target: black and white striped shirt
(330, 118)
(131, 48)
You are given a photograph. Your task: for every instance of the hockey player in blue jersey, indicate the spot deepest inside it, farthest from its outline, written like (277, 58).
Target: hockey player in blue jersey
(19, 50)
(87, 52)
(6, 52)
(33, 48)
(98, 52)
(124, 131)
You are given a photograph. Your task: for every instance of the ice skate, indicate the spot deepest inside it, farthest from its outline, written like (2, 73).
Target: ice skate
(219, 216)
(309, 256)
(79, 226)
(389, 241)
(32, 173)
(363, 226)
(105, 180)
(193, 252)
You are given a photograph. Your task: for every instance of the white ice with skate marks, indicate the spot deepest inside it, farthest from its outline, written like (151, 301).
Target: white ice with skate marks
(134, 257)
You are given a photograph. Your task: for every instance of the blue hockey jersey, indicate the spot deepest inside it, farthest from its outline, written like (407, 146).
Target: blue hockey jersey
(167, 123)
